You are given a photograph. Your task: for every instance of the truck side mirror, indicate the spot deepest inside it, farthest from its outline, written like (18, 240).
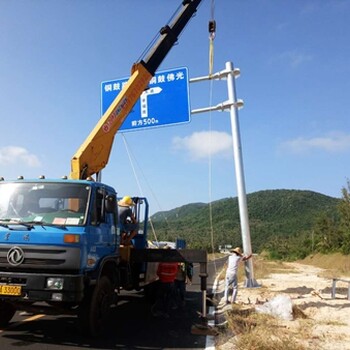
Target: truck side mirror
(110, 203)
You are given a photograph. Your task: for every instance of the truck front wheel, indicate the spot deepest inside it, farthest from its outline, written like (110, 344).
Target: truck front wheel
(95, 308)
(7, 311)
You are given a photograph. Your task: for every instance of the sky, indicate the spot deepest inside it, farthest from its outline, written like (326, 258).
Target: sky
(294, 127)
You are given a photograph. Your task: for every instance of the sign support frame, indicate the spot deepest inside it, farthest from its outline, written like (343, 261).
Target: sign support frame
(230, 73)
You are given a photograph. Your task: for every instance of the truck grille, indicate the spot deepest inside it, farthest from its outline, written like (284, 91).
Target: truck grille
(47, 257)
(13, 280)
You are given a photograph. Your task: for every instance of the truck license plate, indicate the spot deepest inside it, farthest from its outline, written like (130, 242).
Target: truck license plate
(10, 290)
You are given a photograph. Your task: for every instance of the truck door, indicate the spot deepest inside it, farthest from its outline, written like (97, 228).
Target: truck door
(103, 228)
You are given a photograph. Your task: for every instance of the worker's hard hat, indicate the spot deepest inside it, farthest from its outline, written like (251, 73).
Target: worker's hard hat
(126, 201)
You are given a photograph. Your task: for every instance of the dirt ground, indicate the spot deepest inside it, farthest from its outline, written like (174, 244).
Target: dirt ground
(327, 318)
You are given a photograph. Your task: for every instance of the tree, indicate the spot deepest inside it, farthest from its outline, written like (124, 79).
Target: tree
(344, 224)
(326, 233)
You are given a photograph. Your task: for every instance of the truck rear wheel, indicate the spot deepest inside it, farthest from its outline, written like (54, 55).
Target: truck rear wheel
(7, 311)
(95, 308)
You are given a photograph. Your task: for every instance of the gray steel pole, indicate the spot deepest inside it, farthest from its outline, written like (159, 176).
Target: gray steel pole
(237, 152)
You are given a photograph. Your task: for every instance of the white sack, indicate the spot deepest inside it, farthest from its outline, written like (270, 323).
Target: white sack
(280, 306)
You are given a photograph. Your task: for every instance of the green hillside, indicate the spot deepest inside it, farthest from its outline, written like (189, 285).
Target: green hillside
(273, 215)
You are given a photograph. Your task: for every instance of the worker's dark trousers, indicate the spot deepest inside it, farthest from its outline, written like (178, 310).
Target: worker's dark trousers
(165, 295)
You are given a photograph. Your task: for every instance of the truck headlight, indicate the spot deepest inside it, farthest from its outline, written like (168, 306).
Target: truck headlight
(57, 297)
(55, 283)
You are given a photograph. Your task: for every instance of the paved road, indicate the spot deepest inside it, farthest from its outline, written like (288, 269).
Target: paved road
(131, 326)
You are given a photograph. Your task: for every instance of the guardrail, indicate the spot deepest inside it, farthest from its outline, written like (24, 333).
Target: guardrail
(334, 286)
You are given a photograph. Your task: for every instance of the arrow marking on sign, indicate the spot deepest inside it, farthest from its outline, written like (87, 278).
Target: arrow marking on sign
(144, 99)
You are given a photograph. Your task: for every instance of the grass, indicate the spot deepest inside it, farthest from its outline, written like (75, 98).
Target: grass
(336, 265)
(263, 268)
(254, 331)
(333, 323)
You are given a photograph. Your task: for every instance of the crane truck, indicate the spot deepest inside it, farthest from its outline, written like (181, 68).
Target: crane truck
(60, 250)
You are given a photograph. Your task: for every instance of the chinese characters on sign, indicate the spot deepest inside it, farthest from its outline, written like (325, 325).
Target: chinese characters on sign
(164, 102)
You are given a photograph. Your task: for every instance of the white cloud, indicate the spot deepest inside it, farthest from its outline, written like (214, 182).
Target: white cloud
(293, 58)
(334, 143)
(204, 144)
(14, 155)
(310, 8)
(325, 6)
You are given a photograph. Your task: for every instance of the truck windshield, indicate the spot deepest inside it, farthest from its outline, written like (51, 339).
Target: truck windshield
(44, 203)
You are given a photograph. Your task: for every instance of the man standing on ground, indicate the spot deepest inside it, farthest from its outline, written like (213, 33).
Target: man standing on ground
(183, 276)
(166, 293)
(231, 273)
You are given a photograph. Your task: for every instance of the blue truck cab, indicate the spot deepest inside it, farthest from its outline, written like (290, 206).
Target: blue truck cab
(60, 248)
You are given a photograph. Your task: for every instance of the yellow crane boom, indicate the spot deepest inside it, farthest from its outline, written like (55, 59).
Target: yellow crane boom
(92, 156)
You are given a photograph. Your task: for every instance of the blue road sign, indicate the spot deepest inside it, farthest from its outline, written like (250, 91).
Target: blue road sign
(165, 102)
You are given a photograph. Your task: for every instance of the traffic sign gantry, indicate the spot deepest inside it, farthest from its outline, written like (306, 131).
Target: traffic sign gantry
(165, 102)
